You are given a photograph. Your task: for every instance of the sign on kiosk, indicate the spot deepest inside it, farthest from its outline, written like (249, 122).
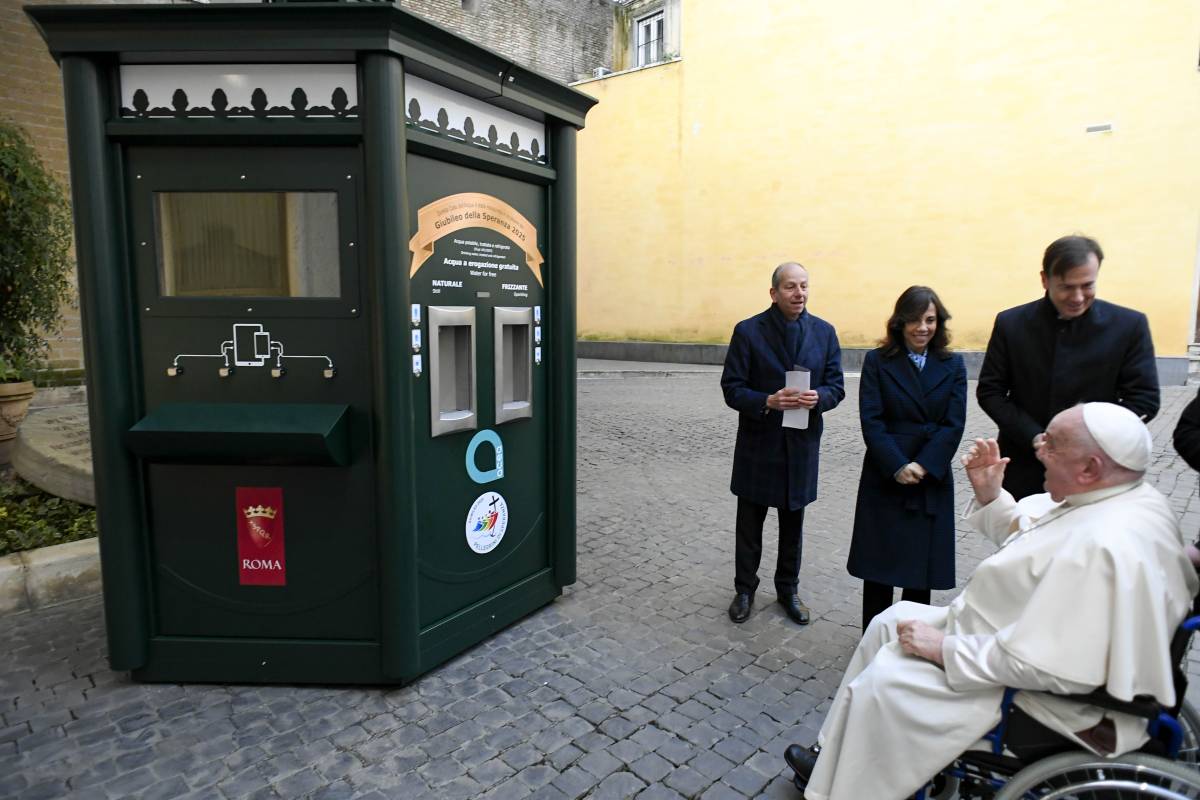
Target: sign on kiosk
(261, 558)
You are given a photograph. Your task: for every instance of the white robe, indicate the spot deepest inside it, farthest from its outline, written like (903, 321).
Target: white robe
(1082, 594)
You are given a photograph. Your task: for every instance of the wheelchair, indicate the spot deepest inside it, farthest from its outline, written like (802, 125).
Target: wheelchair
(1026, 761)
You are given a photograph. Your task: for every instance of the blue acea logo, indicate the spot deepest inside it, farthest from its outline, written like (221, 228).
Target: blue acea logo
(485, 476)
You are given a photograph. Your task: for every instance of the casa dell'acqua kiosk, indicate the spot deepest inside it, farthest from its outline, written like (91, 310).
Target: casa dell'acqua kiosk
(327, 276)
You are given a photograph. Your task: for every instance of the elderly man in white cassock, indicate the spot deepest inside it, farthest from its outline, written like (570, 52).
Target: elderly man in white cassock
(1090, 582)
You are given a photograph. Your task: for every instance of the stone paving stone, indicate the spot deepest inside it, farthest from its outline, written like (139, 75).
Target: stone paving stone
(651, 768)
(634, 680)
(600, 763)
(548, 792)
(130, 782)
(710, 764)
(721, 791)
(575, 782)
(536, 776)
(511, 789)
(618, 786)
(657, 791)
(165, 790)
(45, 790)
(687, 781)
(745, 780)
(592, 741)
(563, 757)
(341, 790)
(618, 727)
(491, 772)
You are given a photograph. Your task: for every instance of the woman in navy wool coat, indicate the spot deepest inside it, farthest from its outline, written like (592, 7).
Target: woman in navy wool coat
(913, 405)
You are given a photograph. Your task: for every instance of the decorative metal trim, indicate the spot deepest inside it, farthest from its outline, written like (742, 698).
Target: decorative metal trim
(461, 118)
(234, 91)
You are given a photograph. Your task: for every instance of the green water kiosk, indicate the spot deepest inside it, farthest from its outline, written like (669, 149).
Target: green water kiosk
(327, 274)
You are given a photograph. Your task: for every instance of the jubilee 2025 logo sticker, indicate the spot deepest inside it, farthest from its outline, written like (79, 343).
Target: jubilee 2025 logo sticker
(486, 522)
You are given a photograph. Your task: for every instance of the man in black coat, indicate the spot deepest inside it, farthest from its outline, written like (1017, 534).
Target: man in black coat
(1066, 348)
(775, 466)
(1186, 437)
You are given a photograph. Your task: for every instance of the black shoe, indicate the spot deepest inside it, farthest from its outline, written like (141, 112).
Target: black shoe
(794, 609)
(739, 609)
(802, 760)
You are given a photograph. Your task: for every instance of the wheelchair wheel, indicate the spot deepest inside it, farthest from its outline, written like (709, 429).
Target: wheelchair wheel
(1084, 776)
(1189, 720)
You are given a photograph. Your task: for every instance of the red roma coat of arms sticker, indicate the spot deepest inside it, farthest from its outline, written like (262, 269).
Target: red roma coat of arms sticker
(261, 560)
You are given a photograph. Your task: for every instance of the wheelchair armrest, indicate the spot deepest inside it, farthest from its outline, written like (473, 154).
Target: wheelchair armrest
(1142, 706)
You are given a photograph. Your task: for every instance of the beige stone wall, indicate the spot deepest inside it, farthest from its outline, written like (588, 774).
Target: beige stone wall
(561, 39)
(889, 144)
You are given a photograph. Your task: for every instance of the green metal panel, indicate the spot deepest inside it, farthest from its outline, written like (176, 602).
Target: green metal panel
(226, 430)
(464, 594)
(562, 355)
(387, 248)
(225, 660)
(329, 543)
(109, 337)
(239, 433)
(428, 144)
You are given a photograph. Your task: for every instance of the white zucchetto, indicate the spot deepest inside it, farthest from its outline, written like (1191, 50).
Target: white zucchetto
(1120, 434)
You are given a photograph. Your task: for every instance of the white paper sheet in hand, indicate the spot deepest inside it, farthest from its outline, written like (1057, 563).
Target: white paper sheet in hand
(797, 417)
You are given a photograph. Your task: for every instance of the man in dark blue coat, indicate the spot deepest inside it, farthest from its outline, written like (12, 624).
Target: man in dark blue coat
(1066, 348)
(774, 466)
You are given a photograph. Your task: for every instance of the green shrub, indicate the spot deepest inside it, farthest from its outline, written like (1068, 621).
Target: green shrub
(35, 255)
(31, 518)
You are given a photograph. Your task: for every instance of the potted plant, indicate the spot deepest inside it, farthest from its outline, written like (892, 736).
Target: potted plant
(35, 269)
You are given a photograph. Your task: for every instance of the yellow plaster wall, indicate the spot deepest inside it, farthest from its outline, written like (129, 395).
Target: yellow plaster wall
(890, 143)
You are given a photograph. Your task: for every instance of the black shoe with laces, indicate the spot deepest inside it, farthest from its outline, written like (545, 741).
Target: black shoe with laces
(796, 611)
(802, 760)
(739, 609)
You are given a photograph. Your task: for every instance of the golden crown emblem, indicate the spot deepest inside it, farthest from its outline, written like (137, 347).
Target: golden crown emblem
(259, 511)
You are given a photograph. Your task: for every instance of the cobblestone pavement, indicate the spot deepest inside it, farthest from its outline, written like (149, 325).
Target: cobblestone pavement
(634, 683)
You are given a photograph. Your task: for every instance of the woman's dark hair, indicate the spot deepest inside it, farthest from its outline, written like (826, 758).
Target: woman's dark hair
(910, 306)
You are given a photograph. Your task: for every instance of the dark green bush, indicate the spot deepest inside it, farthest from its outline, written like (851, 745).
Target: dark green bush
(31, 518)
(35, 254)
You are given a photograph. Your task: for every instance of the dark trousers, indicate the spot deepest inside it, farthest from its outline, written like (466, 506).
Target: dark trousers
(877, 597)
(750, 518)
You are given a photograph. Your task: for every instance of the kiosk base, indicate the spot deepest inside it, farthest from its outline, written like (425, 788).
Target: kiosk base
(184, 659)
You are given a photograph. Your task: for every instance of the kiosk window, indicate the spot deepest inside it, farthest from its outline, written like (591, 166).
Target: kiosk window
(248, 244)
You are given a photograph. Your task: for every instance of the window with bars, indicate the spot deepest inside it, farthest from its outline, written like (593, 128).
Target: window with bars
(650, 39)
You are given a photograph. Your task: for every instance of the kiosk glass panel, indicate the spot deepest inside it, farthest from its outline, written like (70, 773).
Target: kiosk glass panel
(247, 244)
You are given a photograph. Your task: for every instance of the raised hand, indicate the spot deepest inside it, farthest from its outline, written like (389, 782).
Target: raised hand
(985, 469)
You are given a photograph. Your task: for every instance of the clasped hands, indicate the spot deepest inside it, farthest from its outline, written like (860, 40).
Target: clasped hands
(789, 397)
(910, 474)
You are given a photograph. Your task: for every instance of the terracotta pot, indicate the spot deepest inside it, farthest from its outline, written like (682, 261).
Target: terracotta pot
(14, 404)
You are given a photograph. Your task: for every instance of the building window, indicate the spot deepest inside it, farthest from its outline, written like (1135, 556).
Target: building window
(650, 39)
